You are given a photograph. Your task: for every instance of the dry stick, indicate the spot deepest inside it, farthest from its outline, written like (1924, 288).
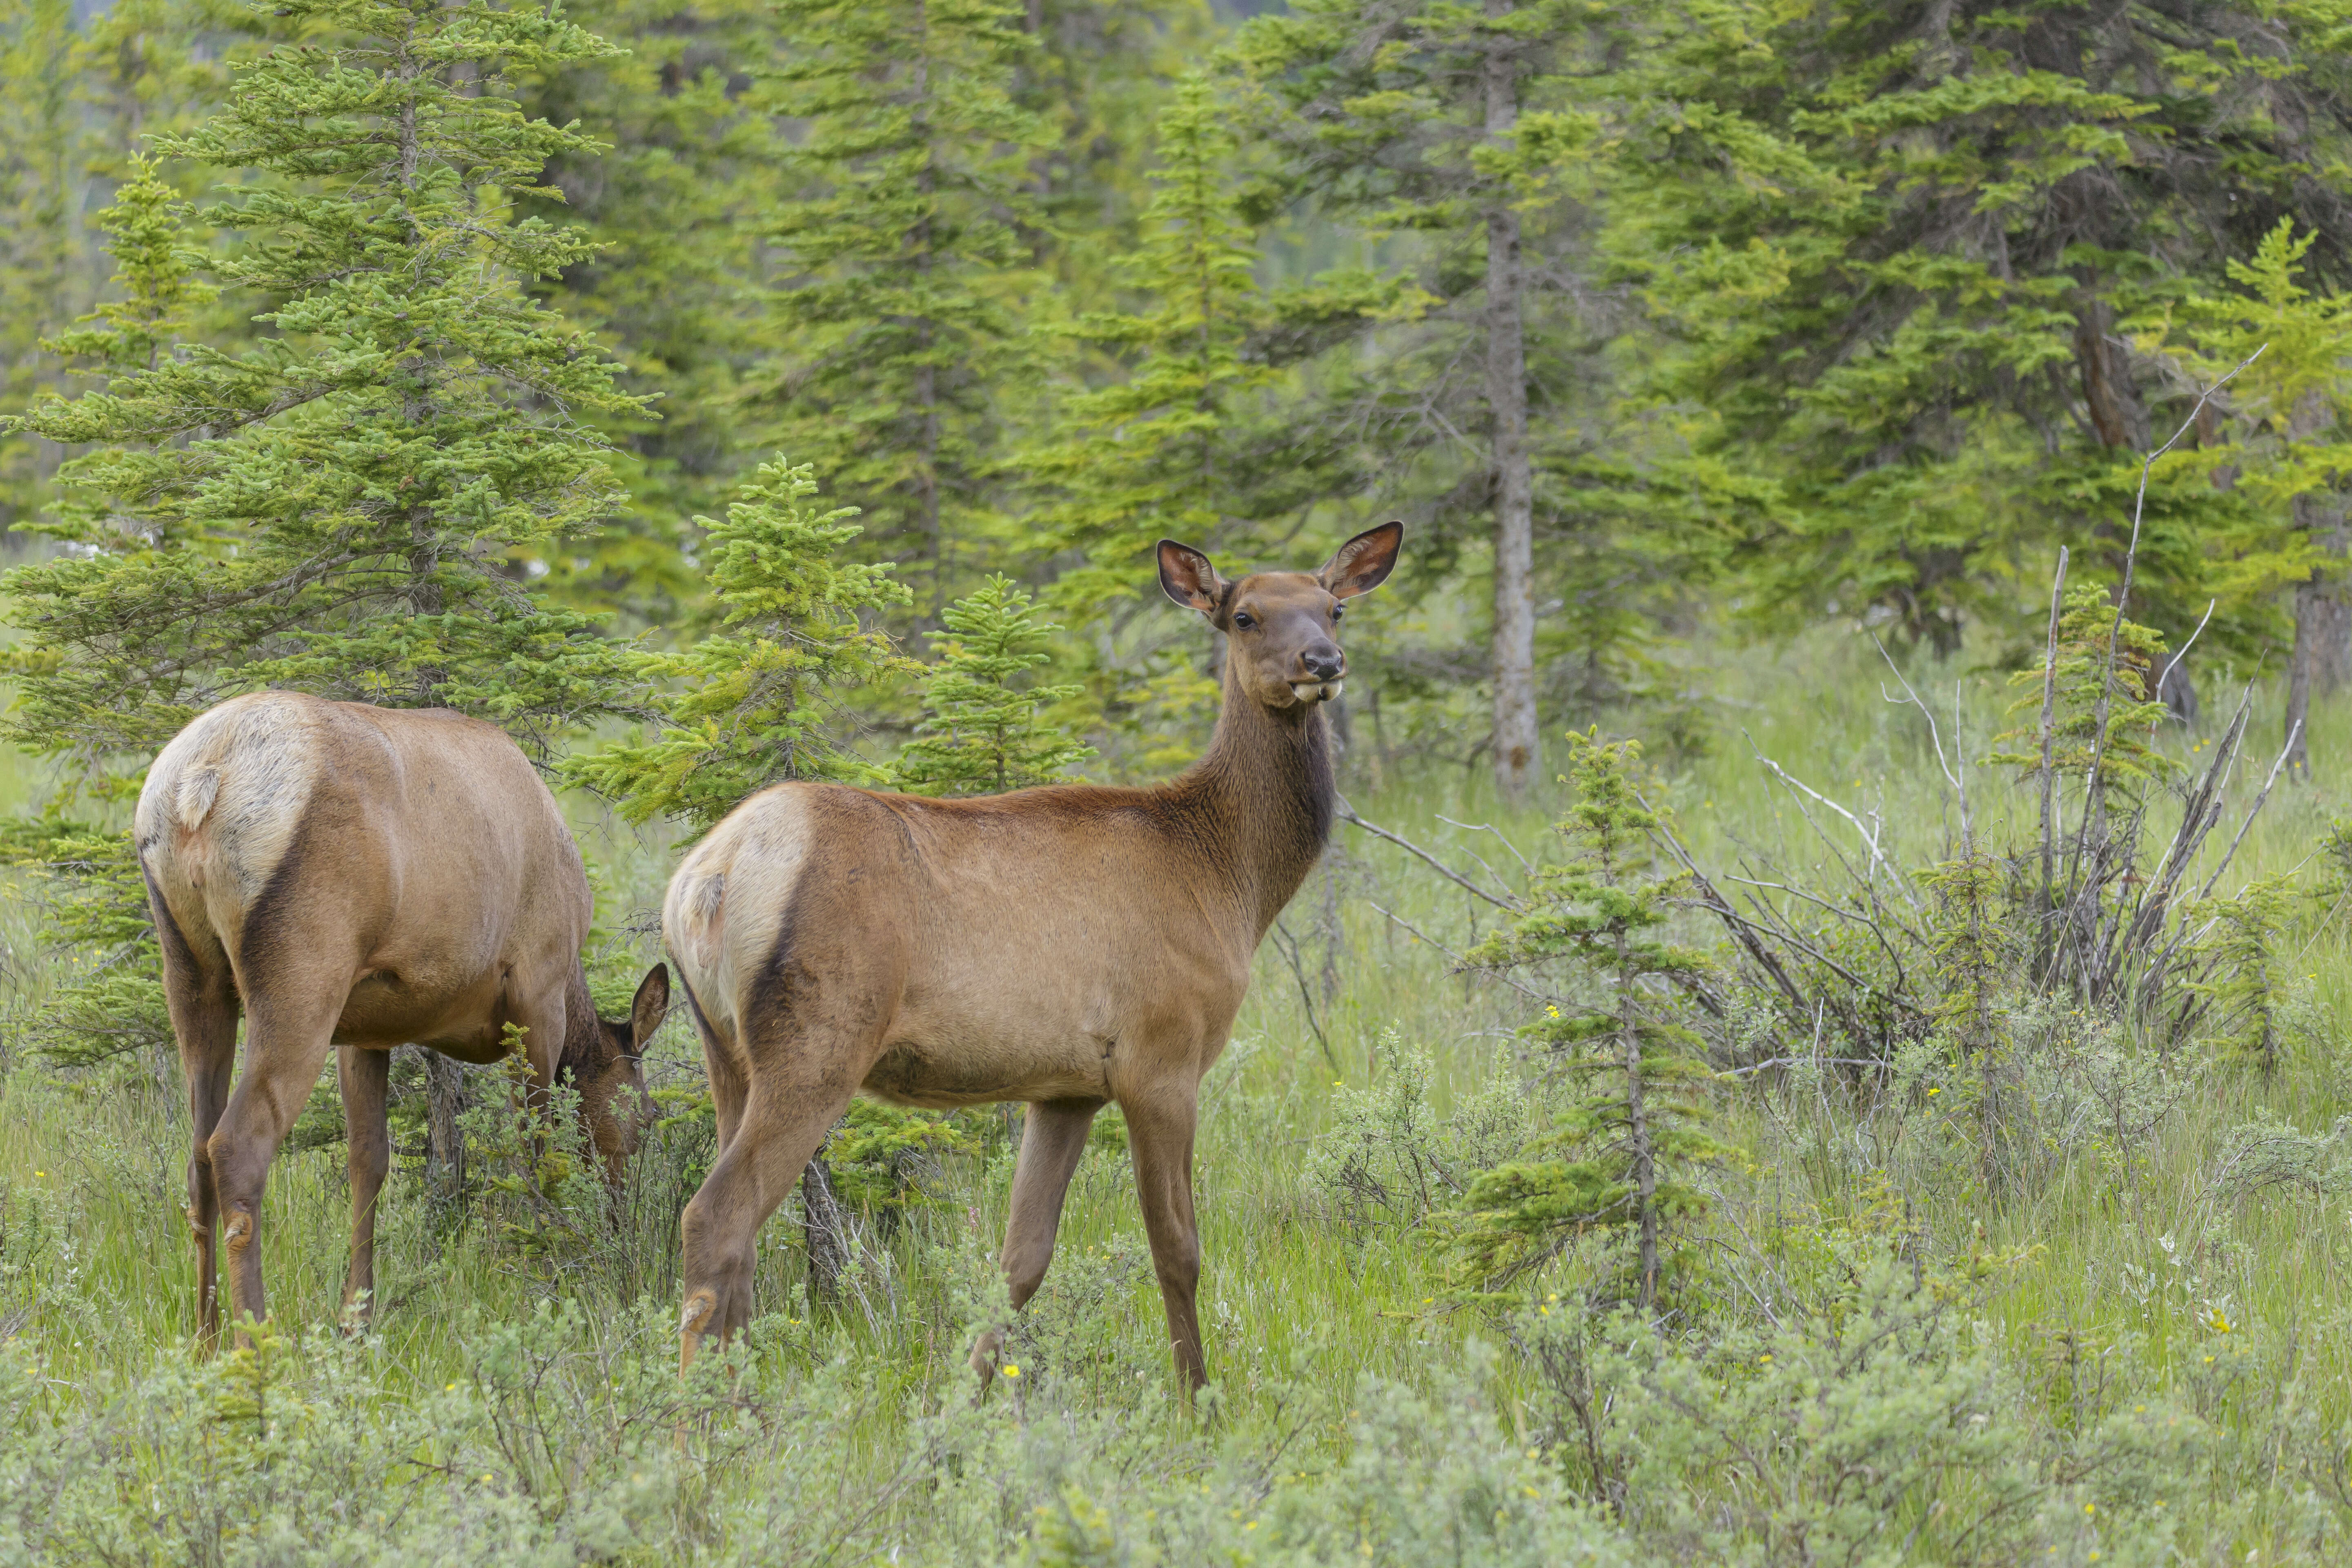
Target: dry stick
(2049, 703)
(2251, 811)
(1348, 813)
(2174, 662)
(2201, 810)
(1524, 863)
(1868, 839)
(1287, 945)
(1468, 967)
(1721, 906)
(2123, 599)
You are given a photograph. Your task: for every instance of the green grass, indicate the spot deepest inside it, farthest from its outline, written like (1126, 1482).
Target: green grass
(1303, 1314)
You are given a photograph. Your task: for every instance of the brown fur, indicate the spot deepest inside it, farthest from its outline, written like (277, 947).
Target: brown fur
(362, 878)
(1068, 947)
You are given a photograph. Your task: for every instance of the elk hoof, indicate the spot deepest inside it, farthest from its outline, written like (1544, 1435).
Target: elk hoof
(697, 1313)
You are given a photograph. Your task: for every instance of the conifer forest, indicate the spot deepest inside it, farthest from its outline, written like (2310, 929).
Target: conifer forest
(1134, 782)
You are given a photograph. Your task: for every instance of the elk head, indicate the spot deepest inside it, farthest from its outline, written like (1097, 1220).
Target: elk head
(610, 1078)
(1281, 629)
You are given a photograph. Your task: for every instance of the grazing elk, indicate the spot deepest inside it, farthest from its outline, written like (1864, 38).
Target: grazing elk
(363, 878)
(1069, 946)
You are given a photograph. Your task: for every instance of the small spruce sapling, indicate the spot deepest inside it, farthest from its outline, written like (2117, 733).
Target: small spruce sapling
(983, 731)
(1621, 1154)
(2238, 983)
(757, 701)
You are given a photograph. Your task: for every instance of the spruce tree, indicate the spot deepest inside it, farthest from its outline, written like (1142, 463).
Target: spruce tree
(1623, 1154)
(357, 503)
(983, 731)
(903, 265)
(758, 699)
(1903, 250)
(1459, 127)
(1191, 432)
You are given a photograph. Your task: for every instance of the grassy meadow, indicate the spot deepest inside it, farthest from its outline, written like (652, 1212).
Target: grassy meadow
(2130, 1344)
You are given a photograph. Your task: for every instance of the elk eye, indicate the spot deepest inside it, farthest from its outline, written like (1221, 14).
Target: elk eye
(1337, 611)
(1243, 621)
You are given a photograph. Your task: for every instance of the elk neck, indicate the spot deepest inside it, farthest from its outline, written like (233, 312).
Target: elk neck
(584, 1037)
(1267, 793)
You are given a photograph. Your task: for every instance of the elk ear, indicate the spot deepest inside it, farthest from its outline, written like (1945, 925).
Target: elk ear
(652, 1005)
(1187, 577)
(1363, 563)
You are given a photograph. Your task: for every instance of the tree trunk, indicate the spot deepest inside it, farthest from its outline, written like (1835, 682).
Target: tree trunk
(444, 1144)
(2323, 631)
(1515, 740)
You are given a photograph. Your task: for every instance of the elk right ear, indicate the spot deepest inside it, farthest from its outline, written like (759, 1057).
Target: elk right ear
(1187, 577)
(652, 1005)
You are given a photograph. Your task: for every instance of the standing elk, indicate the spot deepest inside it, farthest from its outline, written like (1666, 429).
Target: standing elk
(363, 878)
(1070, 946)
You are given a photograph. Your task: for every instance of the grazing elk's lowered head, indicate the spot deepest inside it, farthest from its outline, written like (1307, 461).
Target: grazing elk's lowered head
(606, 1069)
(1281, 629)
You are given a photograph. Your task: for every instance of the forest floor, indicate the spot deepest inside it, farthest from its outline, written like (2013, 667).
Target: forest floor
(2132, 1342)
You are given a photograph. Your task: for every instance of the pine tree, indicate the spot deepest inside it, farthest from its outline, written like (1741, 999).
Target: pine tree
(982, 731)
(42, 150)
(1190, 436)
(1460, 127)
(1621, 1154)
(757, 700)
(903, 266)
(2290, 415)
(358, 503)
(1903, 249)
(674, 282)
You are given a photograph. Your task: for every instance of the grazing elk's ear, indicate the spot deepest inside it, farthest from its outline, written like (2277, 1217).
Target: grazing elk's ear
(1361, 565)
(646, 1014)
(1188, 578)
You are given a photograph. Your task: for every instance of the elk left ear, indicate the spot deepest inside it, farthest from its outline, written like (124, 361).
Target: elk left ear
(652, 1005)
(1363, 563)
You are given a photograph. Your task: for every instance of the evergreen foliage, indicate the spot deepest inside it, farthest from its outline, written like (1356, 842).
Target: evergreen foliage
(355, 503)
(1622, 1152)
(983, 731)
(757, 701)
(1903, 246)
(903, 265)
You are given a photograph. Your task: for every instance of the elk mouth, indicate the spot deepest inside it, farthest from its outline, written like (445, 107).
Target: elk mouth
(1313, 692)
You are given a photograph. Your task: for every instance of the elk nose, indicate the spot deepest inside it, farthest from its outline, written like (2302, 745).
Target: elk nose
(1324, 663)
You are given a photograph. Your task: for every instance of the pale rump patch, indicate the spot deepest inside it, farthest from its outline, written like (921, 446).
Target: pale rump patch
(734, 887)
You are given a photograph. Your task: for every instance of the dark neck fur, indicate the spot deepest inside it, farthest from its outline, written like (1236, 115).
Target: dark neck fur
(1267, 791)
(584, 1037)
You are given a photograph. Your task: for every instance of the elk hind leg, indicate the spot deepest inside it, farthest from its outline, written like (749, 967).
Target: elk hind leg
(289, 1022)
(364, 1075)
(780, 1127)
(1160, 1130)
(1054, 1136)
(203, 1022)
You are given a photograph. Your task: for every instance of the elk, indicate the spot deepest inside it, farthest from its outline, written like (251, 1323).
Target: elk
(363, 878)
(1070, 947)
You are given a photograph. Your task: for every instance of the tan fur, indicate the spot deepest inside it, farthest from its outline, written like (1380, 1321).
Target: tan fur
(1066, 947)
(361, 878)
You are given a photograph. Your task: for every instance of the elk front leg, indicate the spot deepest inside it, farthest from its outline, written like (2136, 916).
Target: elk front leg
(1160, 1126)
(1054, 1136)
(364, 1077)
